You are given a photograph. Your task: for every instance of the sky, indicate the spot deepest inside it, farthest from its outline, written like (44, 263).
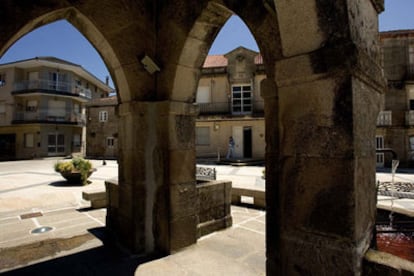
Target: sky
(62, 40)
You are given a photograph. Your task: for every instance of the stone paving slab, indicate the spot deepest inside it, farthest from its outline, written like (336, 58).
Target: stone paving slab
(239, 250)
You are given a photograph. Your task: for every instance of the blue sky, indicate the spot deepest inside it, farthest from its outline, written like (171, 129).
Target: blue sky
(61, 40)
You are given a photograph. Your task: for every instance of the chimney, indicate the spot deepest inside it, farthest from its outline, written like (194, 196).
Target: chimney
(107, 80)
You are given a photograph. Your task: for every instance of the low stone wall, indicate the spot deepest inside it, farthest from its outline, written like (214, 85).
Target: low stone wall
(213, 205)
(214, 210)
(258, 197)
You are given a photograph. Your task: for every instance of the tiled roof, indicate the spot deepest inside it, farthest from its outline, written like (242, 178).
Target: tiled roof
(221, 61)
(215, 61)
(112, 100)
(396, 33)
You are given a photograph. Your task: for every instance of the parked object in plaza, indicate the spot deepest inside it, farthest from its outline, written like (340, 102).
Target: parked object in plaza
(77, 170)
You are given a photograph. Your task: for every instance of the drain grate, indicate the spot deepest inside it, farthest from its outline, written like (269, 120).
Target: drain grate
(31, 215)
(41, 230)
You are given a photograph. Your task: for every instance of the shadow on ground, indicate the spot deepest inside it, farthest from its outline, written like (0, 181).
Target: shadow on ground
(64, 183)
(103, 260)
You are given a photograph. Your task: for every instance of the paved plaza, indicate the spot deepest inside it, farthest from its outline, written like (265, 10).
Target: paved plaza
(32, 195)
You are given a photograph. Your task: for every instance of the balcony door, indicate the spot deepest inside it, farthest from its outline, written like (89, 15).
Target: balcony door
(241, 100)
(58, 81)
(55, 144)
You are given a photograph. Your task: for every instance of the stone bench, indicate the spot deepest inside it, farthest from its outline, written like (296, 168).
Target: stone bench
(258, 196)
(96, 197)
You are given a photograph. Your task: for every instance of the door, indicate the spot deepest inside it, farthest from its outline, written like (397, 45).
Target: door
(238, 141)
(247, 142)
(55, 144)
(7, 147)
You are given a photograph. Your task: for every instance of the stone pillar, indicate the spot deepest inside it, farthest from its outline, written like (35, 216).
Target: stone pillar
(321, 195)
(157, 197)
(269, 93)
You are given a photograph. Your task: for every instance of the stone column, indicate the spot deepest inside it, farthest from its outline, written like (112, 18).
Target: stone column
(157, 200)
(321, 194)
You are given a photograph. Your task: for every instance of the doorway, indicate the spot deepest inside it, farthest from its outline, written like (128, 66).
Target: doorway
(243, 141)
(55, 144)
(247, 142)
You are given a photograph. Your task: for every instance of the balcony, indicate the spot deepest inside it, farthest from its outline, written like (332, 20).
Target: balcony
(384, 118)
(51, 87)
(48, 116)
(224, 108)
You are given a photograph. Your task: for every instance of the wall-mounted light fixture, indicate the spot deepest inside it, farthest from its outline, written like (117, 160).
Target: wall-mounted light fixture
(149, 65)
(216, 126)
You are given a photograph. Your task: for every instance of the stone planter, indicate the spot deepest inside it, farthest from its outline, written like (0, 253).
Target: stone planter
(74, 177)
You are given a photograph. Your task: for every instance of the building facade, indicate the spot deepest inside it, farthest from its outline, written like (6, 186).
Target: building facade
(42, 107)
(395, 124)
(102, 128)
(230, 105)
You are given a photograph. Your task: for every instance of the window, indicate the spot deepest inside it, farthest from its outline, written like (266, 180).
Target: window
(103, 116)
(2, 107)
(202, 136)
(56, 110)
(110, 141)
(241, 99)
(29, 140)
(380, 155)
(2, 79)
(57, 81)
(76, 140)
(31, 106)
(379, 142)
(203, 94)
(411, 104)
(76, 108)
(384, 118)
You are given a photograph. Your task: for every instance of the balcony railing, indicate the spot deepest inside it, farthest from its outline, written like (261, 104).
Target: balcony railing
(64, 88)
(409, 118)
(224, 108)
(49, 116)
(384, 118)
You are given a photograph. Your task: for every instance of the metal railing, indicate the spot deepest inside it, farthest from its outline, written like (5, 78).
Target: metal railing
(49, 116)
(225, 108)
(52, 86)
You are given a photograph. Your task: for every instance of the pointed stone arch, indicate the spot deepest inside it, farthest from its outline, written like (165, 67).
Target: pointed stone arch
(85, 26)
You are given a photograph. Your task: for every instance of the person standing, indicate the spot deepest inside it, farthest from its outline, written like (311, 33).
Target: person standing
(231, 148)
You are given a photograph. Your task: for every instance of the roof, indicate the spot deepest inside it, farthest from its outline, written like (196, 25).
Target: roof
(221, 61)
(215, 61)
(107, 101)
(397, 33)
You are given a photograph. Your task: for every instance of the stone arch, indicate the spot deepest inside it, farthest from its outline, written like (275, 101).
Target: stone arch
(317, 55)
(85, 26)
(202, 35)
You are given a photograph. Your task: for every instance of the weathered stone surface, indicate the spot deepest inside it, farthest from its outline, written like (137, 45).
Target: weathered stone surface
(323, 78)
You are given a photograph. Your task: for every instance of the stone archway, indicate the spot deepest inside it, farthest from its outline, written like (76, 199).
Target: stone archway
(315, 94)
(321, 95)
